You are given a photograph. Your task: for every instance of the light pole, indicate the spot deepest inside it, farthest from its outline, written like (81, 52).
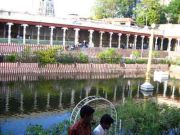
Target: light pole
(147, 86)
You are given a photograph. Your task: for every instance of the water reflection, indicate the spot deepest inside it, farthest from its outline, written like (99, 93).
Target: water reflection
(17, 97)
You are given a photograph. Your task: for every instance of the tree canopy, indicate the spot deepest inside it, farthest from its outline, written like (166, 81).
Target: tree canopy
(148, 11)
(173, 11)
(113, 8)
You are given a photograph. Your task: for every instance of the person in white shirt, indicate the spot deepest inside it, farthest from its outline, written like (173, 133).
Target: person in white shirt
(105, 124)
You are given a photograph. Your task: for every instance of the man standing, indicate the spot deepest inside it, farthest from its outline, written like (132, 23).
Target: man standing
(105, 123)
(83, 126)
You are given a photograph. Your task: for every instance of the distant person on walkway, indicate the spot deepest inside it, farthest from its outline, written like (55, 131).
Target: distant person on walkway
(83, 126)
(105, 124)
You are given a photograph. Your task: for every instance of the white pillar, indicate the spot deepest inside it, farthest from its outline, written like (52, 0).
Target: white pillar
(156, 46)
(178, 44)
(119, 40)
(24, 33)
(127, 41)
(64, 36)
(135, 41)
(169, 44)
(76, 36)
(142, 44)
(101, 37)
(172, 96)
(162, 42)
(51, 35)
(90, 38)
(38, 33)
(165, 89)
(110, 39)
(9, 32)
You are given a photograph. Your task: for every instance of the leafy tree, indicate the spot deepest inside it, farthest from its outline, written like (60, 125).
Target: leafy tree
(173, 11)
(113, 8)
(148, 10)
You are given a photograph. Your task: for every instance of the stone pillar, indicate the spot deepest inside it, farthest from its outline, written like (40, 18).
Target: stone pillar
(165, 89)
(38, 33)
(162, 42)
(90, 38)
(110, 39)
(101, 37)
(127, 41)
(51, 35)
(142, 44)
(135, 41)
(119, 40)
(156, 45)
(9, 32)
(172, 96)
(24, 33)
(76, 36)
(178, 44)
(64, 36)
(169, 44)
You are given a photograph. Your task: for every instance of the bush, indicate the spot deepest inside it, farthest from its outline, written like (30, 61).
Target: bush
(136, 54)
(12, 57)
(109, 56)
(82, 58)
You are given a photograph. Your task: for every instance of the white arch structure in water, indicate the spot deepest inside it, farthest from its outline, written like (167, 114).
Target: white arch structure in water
(88, 100)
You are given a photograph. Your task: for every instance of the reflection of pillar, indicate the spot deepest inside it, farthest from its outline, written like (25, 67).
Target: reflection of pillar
(35, 100)
(21, 102)
(48, 100)
(106, 95)
(115, 92)
(97, 92)
(51, 34)
(123, 95)
(7, 101)
(157, 88)
(119, 40)
(60, 99)
(165, 89)
(24, 33)
(138, 90)
(135, 41)
(72, 96)
(129, 89)
(162, 42)
(178, 45)
(110, 39)
(9, 32)
(127, 41)
(172, 96)
(38, 33)
(76, 36)
(101, 37)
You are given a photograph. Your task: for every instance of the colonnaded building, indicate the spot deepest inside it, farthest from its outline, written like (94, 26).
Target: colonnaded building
(25, 28)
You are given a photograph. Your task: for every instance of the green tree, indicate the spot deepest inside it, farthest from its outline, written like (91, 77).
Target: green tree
(173, 11)
(113, 8)
(148, 11)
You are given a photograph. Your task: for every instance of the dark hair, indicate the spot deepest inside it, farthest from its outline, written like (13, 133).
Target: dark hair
(107, 119)
(86, 110)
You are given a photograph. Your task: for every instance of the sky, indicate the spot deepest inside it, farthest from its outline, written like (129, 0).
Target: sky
(62, 7)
